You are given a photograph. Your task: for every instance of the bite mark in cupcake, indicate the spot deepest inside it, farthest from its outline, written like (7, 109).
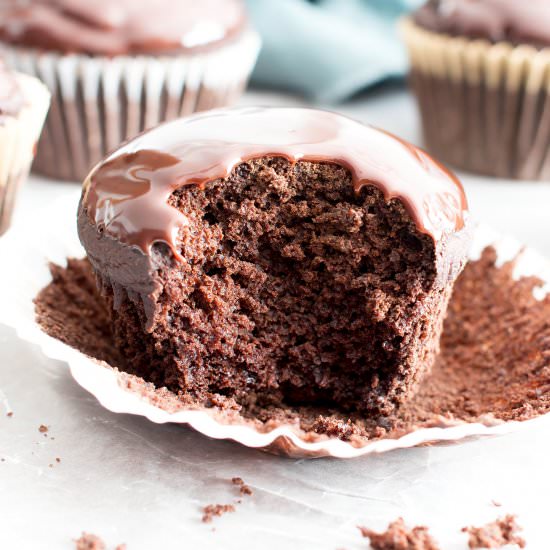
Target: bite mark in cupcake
(276, 255)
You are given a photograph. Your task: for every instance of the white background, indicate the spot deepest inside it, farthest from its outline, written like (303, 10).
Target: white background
(131, 481)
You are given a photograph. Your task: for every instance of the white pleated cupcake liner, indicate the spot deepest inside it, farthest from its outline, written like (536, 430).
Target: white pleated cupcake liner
(98, 102)
(30, 251)
(18, 137)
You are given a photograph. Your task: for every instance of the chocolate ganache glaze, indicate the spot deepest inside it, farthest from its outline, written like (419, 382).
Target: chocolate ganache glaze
(126, 195)
(117, 27)
(124, 208)
(494, 20)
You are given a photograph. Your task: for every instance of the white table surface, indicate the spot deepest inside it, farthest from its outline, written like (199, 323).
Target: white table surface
(131, 481)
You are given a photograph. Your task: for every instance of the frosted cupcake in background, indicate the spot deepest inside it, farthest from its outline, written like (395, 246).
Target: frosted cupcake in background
(24, 103)
(117, 67)
(481, 73)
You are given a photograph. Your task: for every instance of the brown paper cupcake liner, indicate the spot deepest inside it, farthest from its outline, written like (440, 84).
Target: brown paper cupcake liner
(98, 102)
(484, 107)
(18, 136)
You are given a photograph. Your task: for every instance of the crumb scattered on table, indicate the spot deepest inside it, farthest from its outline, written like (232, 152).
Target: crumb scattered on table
(496, 503)
(400, 537)
(43, 428)
(9, 414)
(212, 510)
(244, 489)
(58, 460)
(496, 534)
(88, 541)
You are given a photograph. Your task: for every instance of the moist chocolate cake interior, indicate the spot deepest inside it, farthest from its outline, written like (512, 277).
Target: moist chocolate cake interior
(294, 289)
(493, 366)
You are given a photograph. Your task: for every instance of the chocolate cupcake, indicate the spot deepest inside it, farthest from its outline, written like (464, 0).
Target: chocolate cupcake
(481, 73)
(117, 67)
(24, 103)
(281, 255)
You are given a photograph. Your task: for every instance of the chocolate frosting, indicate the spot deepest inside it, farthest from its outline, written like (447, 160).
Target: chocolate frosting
(515, 21)
(115, 27)
(125, 197)
(11, 96)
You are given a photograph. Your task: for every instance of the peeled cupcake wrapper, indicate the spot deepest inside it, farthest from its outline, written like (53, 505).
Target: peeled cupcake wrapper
(30, 251)
(485, 107)
(98, 102)
(18, 137)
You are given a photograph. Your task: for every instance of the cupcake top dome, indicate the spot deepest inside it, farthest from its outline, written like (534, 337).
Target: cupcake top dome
(494, 20)
(118, 27)
(126, 196)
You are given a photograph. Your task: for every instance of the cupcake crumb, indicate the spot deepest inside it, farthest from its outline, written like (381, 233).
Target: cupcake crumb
(43, 429)
(89, 541)
(496, 534)
(9, 414)
(244, 489)
(212, 510)
(400, 537)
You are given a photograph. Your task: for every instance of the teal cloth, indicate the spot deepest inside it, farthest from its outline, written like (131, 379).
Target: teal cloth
(328, 50)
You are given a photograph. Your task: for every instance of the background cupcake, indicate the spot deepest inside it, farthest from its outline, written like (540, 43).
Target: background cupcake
(481, 73)
(23, 105)
(116, 67)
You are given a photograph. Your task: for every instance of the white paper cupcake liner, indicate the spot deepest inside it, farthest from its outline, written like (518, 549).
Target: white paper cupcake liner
(98, 102)
(30, 251)
(18, 137)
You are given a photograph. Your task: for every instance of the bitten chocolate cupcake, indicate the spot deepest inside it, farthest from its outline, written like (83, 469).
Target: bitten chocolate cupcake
(481, 73)
(279, 255)
(117, 67)
(24, 103)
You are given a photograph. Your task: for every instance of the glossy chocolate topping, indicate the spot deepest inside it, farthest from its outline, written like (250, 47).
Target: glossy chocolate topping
(516, 21)
(114, 27)
(126, 195)
(11, 96)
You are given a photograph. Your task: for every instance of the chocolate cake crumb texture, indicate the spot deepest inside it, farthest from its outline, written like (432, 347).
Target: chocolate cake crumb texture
(9, 414)
(482, 373)
(244, 489)
(43, 429)
(496, 534)
(290, 295)
(313, 270)
(88, 541)
(399, 537)
(213, 510)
